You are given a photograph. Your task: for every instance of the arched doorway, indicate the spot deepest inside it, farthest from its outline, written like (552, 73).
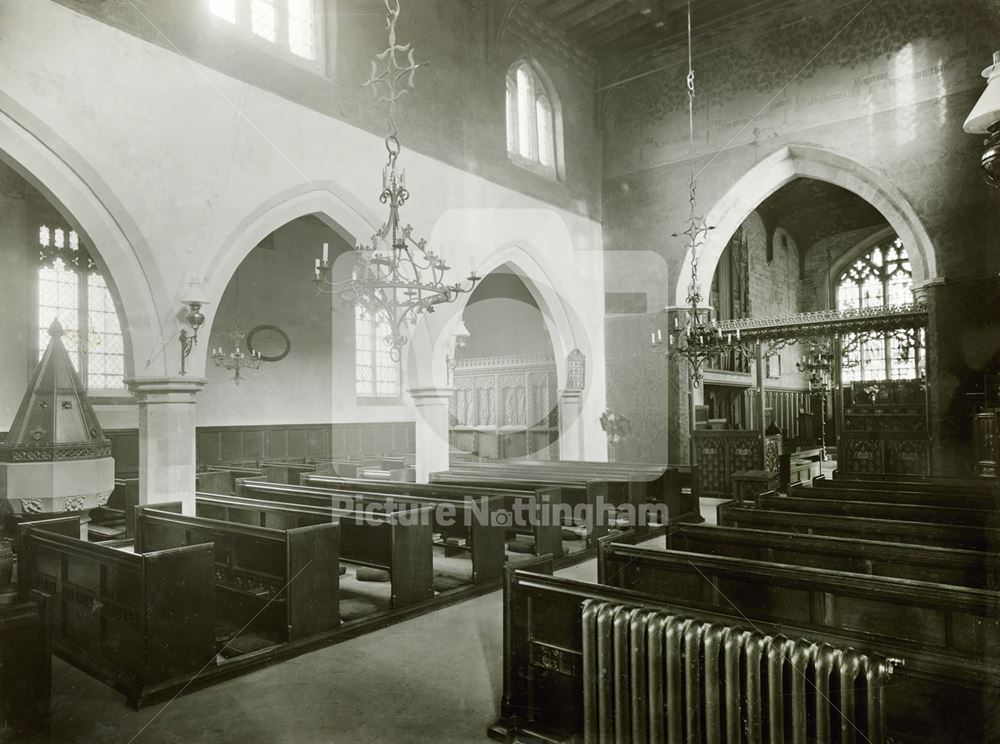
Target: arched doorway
(810, 247)
(504, 372)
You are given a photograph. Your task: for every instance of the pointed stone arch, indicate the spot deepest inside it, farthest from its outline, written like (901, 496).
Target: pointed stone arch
(122, 253)
(806, 161)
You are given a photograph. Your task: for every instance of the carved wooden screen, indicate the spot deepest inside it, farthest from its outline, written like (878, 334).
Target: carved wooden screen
(505, 407)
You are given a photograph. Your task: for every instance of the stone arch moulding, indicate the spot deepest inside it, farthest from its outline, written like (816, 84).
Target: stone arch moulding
(322, 199)
(55, 169)
(796, 161)
(563, 326)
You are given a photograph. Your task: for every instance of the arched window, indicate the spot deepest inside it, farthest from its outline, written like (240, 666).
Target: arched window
(376, 374)
(880, 278)
(531, 120)
(72, 289)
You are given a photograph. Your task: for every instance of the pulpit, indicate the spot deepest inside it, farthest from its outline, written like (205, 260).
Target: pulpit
(719, 455)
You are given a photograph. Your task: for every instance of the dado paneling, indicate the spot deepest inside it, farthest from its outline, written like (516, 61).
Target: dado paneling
(217, 444)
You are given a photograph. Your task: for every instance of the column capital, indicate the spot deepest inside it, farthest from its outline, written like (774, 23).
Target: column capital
(173, 388)
(429, 396)
(921, 289)
(570, 395)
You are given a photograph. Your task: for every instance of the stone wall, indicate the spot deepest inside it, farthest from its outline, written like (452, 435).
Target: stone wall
(879, 99)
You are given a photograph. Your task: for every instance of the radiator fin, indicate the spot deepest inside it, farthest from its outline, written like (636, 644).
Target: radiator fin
(651, 677)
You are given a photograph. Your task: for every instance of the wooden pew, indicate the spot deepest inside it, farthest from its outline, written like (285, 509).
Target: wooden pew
(283, 581)
(137, 621)
(394, 536)
(111, 522)
(480, 520)
(734, 514)
(216, 481)
(906, 493)
(662, 484)
(597, 496)
(347, 468)
(25, 671)
(880, 510)
(633, 484)
(949, 635)
(285, 472)
(547, 534)
(557, 680)
(967, 568)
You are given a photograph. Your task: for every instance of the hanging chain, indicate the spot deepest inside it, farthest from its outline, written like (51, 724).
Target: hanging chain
(696, 228)
(391, 79)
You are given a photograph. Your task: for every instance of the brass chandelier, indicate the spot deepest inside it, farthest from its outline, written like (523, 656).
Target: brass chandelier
(694, 335)
(395, 278)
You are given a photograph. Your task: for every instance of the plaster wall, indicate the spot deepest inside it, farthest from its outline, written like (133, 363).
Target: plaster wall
(204, 166)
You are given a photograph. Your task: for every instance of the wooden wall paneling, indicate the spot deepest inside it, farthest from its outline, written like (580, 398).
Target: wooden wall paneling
(316, 443)
(279, 444)
(338, 443)
(369, 440)
(207, 445)
(253, 445)
(124, 449)
(296, 443)
(231, 445)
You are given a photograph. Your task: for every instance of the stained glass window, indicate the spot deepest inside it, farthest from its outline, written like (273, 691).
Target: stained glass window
(71, 289)
(880, 278)
(376, 374)
(290, 24)
(531, 131)
(59, 297)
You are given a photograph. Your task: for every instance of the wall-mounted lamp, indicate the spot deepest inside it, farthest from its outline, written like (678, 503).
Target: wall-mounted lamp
(195, 320)
(458, 341)
(985, 119)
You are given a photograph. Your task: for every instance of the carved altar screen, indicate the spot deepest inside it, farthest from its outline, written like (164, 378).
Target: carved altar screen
(505, 407)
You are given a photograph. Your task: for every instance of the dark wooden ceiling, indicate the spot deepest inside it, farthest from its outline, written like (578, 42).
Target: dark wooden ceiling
(812, 210)
(629, 26)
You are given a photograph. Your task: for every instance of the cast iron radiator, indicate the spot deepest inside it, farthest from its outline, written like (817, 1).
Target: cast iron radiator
(651, 677)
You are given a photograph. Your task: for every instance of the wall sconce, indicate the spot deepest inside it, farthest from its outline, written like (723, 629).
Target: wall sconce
(458, 341)
(195, 320)
(985, 119)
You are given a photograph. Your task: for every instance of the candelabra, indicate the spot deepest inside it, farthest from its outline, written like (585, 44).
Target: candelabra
(237, 360)
(818, 365)
(697, 339)
(396, 277)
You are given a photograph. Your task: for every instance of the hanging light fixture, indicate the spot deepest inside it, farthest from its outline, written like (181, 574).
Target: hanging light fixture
(985, 119)
(237, 360)
(695, 335)
(396, 278)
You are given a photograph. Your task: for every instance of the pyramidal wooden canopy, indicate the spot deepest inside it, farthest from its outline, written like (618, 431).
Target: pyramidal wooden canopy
(55, 458)
(55, 420)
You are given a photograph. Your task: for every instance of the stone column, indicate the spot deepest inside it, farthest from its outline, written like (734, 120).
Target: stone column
(432, 404)
(167, 420)
(944, 431)
(570, 430)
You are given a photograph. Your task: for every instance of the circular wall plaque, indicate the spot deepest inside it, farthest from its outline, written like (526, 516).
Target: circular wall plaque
(270, 341)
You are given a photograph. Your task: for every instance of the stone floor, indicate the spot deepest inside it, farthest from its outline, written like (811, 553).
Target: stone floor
(434, 679)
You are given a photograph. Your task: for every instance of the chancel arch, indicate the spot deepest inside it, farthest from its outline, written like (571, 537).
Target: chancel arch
(802, 161)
